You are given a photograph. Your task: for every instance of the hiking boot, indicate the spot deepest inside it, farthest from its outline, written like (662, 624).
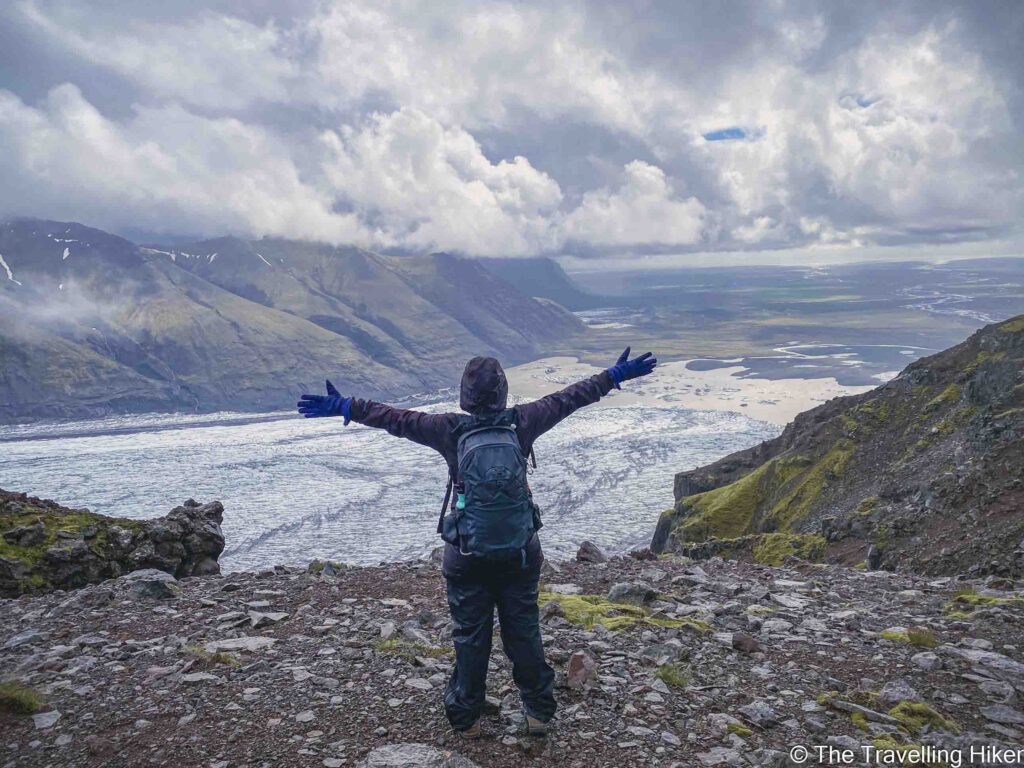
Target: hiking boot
(535, 727)
(473, 732)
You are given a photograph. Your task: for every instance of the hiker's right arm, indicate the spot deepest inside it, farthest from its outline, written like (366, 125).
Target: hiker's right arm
(430, 429)
(433, 430)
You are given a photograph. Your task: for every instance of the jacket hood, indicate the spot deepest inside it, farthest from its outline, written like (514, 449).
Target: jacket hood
(484, 388)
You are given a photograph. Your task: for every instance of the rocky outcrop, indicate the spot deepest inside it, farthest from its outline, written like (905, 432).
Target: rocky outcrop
(45, 546)
(729, 664)
(924, 472)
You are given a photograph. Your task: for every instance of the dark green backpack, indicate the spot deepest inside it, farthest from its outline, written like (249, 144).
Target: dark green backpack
(498, 517)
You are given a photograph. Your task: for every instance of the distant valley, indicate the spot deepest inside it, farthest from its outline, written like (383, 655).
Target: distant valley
(93, 325)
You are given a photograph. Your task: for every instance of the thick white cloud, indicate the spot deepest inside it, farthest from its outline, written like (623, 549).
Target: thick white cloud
(427, 186)
(402, 180)
(165, 169)
(209, 60)
(892, 134)
(377, 124)
(644, 210)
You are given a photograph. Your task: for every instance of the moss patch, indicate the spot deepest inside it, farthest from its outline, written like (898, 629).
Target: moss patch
(730, 511)
(774, 548)
(972, 598)
(19, 699)
(676, 675)
(860, 721)
(590, 610)
(915, 715)
(83, 525)
(208, 659)
(798, 502)
(403, 649)
(1015, 325)
(948, 396)
(922, 637)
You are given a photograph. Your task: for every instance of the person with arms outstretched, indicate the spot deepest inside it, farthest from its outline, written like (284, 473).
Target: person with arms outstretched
(492, 554)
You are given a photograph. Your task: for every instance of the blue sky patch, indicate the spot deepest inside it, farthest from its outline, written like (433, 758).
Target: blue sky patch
(726, 134)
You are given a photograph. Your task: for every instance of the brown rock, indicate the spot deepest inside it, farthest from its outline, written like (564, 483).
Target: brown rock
(745, 643)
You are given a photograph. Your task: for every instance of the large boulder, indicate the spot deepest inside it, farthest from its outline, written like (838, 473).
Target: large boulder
(45, 546)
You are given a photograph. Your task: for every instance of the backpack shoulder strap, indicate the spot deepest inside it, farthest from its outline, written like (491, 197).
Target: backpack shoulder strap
(444, 506)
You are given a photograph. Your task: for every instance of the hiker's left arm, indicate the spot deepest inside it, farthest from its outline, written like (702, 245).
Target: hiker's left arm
(538, 417)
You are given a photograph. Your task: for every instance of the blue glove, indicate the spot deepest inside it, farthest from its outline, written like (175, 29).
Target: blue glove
(331, 404)
(626, 369)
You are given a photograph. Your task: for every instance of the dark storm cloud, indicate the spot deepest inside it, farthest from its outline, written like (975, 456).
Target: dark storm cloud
(518, 128)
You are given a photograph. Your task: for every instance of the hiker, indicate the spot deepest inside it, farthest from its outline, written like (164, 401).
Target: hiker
(492, 554)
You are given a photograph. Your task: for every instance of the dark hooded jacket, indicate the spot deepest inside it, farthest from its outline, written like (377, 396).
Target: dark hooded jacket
(483, 390)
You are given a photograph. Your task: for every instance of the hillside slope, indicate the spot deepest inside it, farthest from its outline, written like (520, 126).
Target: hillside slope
(92, 324)
(925, 473)
(544, 278)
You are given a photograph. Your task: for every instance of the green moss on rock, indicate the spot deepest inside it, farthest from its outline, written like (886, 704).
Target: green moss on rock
(19, 699)
(590, 610)
(774, 548)
(915, 715)
(409, 651)
(676, 675)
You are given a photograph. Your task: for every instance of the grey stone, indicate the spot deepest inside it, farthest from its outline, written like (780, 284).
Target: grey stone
(199, 677)
(720, 756)
(1001, 713)
(895, 691)
(151, 583)
(259, 619)
(247, 643)
(759, 713)
(927, 661)
(44, 720)
(633, 592)
(26, 637)
(414, 756)
(589, 552)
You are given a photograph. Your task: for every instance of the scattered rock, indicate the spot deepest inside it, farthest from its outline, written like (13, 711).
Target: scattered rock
(927, 661)
(582, 669)
(250, 644)
(634, 592)
(745, 643)
(589, 552)
(759, 713)
(1001, 713)
(151, 584)
(414, 756)
(27, 637)
(895, 691)
(258, 619)
(44, 720)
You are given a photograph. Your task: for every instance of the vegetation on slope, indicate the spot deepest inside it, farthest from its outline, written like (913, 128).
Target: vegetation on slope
(939, 440)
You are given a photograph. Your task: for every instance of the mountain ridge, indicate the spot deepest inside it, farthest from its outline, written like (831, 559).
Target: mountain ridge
(93, 324)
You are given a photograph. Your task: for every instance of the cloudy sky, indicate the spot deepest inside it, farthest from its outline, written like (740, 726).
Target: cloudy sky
(513, 128)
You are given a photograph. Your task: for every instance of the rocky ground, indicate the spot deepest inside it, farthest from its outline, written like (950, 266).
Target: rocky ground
(716, 663)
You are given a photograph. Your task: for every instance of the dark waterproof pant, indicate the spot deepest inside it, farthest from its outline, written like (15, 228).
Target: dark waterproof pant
(474, 591)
